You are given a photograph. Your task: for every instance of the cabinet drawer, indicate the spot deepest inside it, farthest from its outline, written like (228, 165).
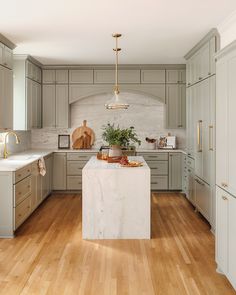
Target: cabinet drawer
(79, 156)
(190, 162)
(22, 190)
(75, 167)
(158, 167)
(154, 156)
(22, 211)
(22, 173)
(159, 182)
(74, 182)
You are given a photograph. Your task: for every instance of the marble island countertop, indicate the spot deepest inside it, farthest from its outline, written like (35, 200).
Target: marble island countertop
(94, 163)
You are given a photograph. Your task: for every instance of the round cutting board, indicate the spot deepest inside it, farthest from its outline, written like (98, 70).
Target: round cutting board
(83, 137)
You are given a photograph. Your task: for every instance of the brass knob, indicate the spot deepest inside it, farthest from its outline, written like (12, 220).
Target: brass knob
(224, 184)
(224, 198)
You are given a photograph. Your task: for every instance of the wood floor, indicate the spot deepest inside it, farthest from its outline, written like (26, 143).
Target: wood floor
(48, 255)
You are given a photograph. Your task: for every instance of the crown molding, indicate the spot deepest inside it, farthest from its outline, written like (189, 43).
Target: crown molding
(7, 42)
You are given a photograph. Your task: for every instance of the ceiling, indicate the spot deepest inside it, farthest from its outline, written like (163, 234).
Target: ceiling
(79, 32)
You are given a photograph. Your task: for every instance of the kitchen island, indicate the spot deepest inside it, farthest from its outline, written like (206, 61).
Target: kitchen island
(116, 200)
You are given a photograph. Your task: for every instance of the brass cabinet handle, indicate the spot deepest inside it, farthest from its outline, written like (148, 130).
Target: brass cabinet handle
(210, 138)
(224, 184)
(199, 136)
(224, 198)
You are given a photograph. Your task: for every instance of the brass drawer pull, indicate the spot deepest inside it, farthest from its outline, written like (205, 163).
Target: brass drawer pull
(224, 198)
(224, 184)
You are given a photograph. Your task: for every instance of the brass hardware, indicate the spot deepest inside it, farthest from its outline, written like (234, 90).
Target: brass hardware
(189, 83)
(210, 138)
(224, 184)
(200, 78)
(116, 102)
(224, 198)
(199, 139)
(198, 181)
(5, 152)
(209, 73)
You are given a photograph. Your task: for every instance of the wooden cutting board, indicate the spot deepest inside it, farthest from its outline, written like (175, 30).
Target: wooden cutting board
(83, 137)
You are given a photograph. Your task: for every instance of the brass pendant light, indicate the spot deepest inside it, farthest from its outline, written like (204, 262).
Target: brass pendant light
(116, 103)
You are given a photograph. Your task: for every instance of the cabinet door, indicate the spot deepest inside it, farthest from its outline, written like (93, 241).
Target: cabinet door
(39, 105)
(191, 194)
(8, 57)
(175, 171)
(6, 98)
(62, 76)
(172, 76)
(212, 51)
(81, 76)
(129, 76)
(182, 76)
(62, 106)
(49, 106)
(152, 76)
(29, 69)
(231, 126)
(204, 61)
(49, 76)
(59, 171)
(1, 53)
(47, 179)
(190, 120)
(175, 106)
(34, 190)
(222, 212)
(232, 240)
(203, 198)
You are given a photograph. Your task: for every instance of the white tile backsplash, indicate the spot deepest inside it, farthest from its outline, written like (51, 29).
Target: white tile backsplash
(145, 113)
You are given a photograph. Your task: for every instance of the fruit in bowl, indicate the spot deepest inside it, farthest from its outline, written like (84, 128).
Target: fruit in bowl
(124, 160)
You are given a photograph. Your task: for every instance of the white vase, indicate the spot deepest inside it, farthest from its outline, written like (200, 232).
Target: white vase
(115, 151)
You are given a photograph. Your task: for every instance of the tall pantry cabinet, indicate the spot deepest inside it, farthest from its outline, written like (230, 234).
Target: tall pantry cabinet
(6, 85)
(226, 162)
(200, 125)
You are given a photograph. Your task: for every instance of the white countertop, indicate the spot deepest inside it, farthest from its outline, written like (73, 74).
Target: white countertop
(17, 161)
(94, 163)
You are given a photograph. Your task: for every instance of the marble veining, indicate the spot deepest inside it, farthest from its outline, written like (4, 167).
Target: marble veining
(116, 201)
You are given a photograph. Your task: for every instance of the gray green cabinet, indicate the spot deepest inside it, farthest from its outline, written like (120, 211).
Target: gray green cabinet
(152, 76)
(47, 178)
(59, 171)
(51, 76)
(175, 76)
(175, 171)
(27, 97)
(175, 106)
(55, 106)
(6, 56)
(6, 98)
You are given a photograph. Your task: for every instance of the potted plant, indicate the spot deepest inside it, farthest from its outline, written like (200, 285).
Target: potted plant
(118, 138)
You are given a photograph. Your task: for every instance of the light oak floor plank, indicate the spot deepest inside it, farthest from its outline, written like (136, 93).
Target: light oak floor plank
(49, 257)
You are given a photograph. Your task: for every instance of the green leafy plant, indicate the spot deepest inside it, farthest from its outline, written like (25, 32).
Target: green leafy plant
(121, 137)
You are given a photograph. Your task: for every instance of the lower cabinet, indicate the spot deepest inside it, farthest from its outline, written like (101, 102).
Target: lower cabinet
(36, 183)
(175, 171)
(59, 171)
(226, 234)
(202, 198)
(191, 186)
(47, 179)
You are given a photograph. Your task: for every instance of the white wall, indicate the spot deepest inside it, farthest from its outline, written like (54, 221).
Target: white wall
(146, 114)
(227, 30)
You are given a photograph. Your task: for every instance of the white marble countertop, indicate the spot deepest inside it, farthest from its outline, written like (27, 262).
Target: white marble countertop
(17, 161)
(94, 163)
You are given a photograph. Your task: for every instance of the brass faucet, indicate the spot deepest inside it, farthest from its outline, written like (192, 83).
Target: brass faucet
(5, 152)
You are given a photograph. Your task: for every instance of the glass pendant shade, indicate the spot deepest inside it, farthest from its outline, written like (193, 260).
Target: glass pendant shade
(116, 103)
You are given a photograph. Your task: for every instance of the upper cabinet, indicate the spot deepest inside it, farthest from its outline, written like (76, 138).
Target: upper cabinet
(6, 56)
(33, 72)
(27, 98)
(175, 76)
(202, 63)
(55, 76)
(6, 98)
(81, 76)
(175, 106)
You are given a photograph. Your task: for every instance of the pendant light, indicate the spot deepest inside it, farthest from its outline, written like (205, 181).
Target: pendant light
(116, 103)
